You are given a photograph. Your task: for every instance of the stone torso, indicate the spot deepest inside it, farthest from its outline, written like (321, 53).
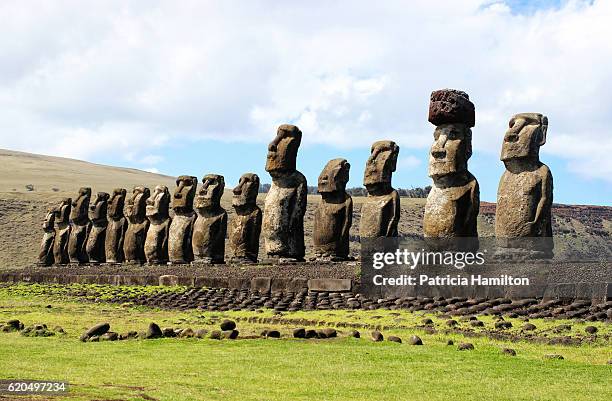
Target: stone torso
(380, 215)
(95, 244)
(46, 256)
(60, 246)
(115, 232)
(283, 219)
(517, 203)
(156, 243)
(244, 231)
(179, 242)
(133, 245)
(331, 226)
(77, 243)
(209, 237)
(452, 211)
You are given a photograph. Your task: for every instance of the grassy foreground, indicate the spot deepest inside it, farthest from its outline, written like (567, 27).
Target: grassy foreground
(287, 369)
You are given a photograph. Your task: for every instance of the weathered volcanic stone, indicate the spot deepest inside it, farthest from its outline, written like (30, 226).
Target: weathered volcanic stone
(135, 236)
(299, 333)
(117, 226)
(377, 336)
(465, 347)
(415, 340)
(380, 211)
(62, 232)
(227, 325)
(153, 331)
(394, 339)
(454, 200)
(181, 228)
(96, 330)
(79, 227)
(210, 227)
(285, 204)
(334, 215)
(158, 214)
(525, 193)
(45, 256)
(245, 227)
(96, 241)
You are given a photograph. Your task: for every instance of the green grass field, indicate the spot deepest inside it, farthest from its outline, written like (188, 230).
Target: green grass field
(287, 369)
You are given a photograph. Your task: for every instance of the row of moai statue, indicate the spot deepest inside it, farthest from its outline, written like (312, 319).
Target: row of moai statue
(106, 232)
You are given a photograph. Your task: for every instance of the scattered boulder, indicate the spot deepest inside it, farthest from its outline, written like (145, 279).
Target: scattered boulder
(503, 325)
(273, 334)
(508, 351)
(230, 334)
(168, 332)
(451, 323)
(476, 323)
(216, 335)
(187, 333)
(327, 333)
(109, 336)
(377, 336)
(299, 333)
(59, 329)
(590, 329)
(228, 325)
(153, 331)
(354, 334)
(95, 331)
(427, 322)
(529, 327)
(201, 333)
(12, 325)
(311, 334)
(553, 356)
(37, 330)
(394, 339)
(450, 342)
(415, 340)
(465, 347)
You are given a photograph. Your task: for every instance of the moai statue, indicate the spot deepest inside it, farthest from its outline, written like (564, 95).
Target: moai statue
(210, 227)
(135, 211)
(380, 212)
(181, 227)
(62, 232)
(99, 222)
(453, 203)
(285, 205)
(79, 227)
(334, 215)
(117, 226)
(156, 244)
(525, 193)
(245, 227)
(45, 256)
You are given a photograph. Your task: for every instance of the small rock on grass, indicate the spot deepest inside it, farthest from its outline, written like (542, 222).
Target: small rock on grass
(377, 336)
(354, 334)
(327, 333)
(153, 331)
(450, 342)
(311, 333)
(299, 333)
(590, 329)
(415, 340)
(230, 334)
(228, 325)
(508, 351)
(394, 339)
(201, 333)
(465, 347)
(216, 335)
(109, 336)
(168, 332)
(95, 331)
(553, 356)
(273, 334)
(529, 327)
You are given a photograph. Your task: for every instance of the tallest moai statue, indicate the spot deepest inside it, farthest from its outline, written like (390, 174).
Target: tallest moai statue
(285, 205)
(525, 193)
(453, 203)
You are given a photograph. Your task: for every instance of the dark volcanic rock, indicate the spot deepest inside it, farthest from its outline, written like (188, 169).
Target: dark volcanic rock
(299, 333)
(590, 329)
(216, 335)
(153, 331)
(415, 340)
(394, 339)
(508, 351)
(354, 334)
(228, 325)
(529, 327)
(377, 336)
(553, 356)
(465, 347)
(96, 330)
(230, 334)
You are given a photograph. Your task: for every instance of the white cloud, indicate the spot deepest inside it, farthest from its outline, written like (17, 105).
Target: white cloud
(131, 77)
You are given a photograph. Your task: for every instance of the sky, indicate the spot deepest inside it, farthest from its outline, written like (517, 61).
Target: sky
(197, 87)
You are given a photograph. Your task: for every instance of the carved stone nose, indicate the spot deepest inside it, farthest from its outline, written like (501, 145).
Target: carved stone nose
(511, 137)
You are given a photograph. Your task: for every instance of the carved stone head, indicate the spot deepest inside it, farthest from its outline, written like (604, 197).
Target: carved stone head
(282, 151)
(49, 223)
(159, 203)
(245, 193)
(98, 207)
(380, 166)
(453, 114)
(135, 208)
(186, 186)
(334, 176)
(80, 206)
(63, 211)
(451, 149)
(209, 196)
(525, 135)
(116, 203)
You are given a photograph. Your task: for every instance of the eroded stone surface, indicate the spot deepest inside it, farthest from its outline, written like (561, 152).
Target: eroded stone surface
(245, 227)
(157, 212)
(285, 205)
(525, 193)
(380, 211)
(334, 215)
(181, 227)
(117, 225)
(62, 232)
(135, 212)
(96, 240)
(45, 256)
(79, 227)
(210, 227)
(454, 200)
